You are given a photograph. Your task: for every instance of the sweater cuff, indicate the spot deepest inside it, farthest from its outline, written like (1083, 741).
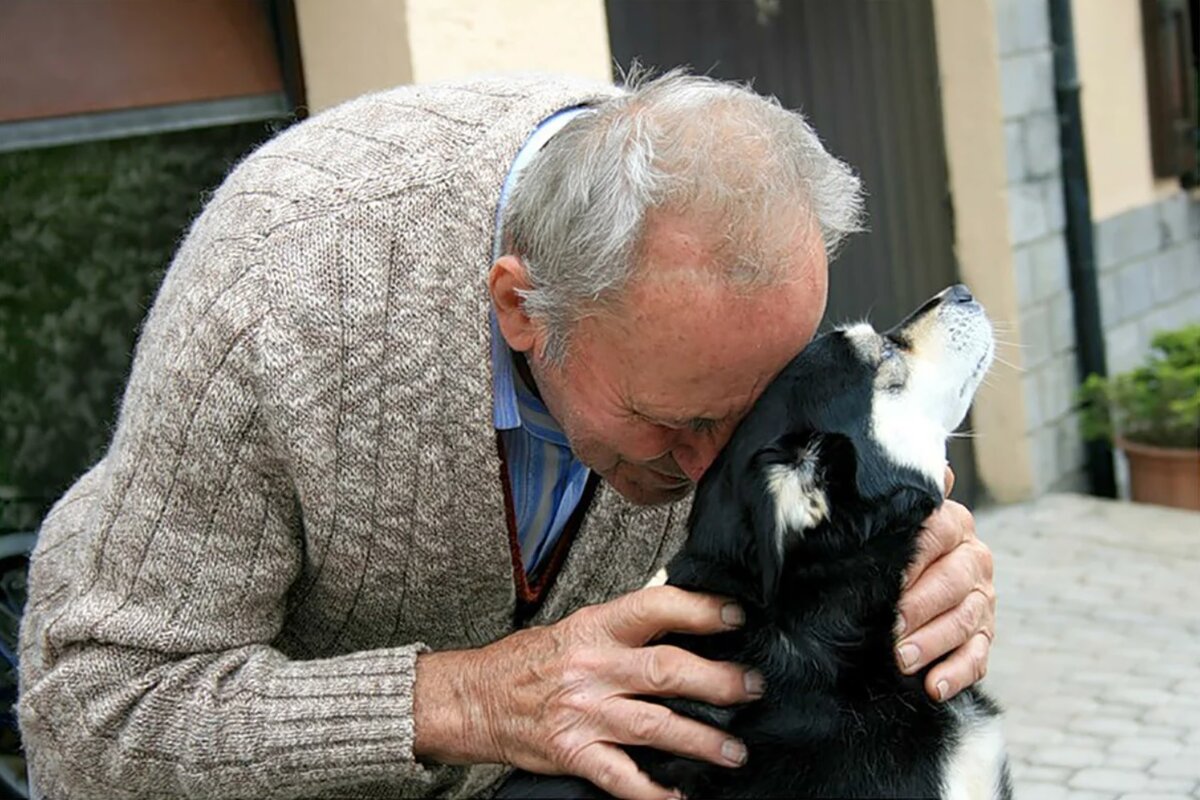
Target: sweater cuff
(342, 720)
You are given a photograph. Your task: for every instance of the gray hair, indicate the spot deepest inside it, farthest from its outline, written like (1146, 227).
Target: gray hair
(679, 143)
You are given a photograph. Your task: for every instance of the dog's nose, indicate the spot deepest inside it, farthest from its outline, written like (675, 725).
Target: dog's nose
(960, 294)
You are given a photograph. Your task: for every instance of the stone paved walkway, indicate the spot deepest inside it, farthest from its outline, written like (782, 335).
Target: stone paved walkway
(1097, 658)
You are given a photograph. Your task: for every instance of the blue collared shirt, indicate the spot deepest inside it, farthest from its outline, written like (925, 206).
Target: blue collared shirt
(546, 479)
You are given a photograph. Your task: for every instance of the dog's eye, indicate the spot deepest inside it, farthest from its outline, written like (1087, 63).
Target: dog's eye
(889, 349)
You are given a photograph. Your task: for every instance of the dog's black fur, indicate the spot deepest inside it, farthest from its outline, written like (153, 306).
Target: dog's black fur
(838, 718)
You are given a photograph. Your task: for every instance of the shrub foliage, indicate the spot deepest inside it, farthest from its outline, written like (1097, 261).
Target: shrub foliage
(1158, 403)
(86, 232)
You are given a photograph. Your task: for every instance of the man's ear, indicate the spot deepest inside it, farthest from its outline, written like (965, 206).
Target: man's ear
(507, 281)
(792, 499)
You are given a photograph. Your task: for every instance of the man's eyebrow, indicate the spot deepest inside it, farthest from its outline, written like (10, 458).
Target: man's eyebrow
(679, 422)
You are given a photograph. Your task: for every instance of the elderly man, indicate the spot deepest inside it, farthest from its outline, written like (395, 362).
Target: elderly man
(374, 517)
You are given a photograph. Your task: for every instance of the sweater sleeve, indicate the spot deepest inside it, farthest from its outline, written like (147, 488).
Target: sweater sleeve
(162, 578)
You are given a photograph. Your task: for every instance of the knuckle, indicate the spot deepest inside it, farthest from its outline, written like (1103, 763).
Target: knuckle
(658, 671)
(580, 664)
(606, 776)
(965, 624)
(576, 700)
(566, 749)
(979, 668)
(590, 618)
(985, 559)
(649, 725)
(979, 660)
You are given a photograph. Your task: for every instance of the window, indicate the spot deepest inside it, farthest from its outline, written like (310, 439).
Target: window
(78, 71)
(1171, 66)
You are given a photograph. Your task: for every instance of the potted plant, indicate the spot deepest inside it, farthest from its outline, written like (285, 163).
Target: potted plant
(1152, 413)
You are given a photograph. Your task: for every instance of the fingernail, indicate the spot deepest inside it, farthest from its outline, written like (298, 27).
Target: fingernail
(733, 615)
(734, 752)
(900, 626)
(943, 689)
(908, 654)
(756, 684)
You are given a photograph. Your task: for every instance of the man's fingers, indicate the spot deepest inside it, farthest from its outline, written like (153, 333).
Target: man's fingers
(652, 725)
(967, 666)
(644, 615)
(610, 769)
(944, 585)
(666, 671)
(949, 480)
(947, 527)
(947, 632)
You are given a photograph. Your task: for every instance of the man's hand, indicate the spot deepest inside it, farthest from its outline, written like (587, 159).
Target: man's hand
(948, 602)
(560, 699)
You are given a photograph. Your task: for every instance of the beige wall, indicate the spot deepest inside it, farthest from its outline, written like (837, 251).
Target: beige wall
(354, 46)
(350, 47)
(1112, 74)
(968, 64)
(452, 38)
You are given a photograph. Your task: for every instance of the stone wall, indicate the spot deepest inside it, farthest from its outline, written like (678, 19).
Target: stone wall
(1036, 233)
(1149, 268)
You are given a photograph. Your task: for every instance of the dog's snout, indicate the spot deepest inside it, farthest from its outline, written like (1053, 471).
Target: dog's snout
(958, 293)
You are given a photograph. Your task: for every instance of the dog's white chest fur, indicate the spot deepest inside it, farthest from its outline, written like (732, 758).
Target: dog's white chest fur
(974, 769)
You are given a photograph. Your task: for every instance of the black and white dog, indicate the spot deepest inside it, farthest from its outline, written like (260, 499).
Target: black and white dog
(809, 517)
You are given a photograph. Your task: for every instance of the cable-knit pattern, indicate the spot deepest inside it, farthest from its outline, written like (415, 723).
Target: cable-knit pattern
(302, 491)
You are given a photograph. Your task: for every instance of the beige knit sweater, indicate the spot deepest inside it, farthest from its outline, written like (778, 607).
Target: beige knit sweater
(302, 491)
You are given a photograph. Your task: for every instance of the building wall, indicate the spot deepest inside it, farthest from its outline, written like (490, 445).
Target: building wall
(1039, 250)
(1146, 230)
(352, 48)
(349, 49)
(972, 113)
(453, 39)
(1111, 63)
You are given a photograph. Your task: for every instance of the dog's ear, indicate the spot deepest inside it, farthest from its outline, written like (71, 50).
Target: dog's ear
(791, 498)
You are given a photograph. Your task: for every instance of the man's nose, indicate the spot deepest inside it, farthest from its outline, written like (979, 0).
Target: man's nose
(696, 456)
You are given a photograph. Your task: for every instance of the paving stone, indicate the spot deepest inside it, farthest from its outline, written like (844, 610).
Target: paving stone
(1182, 715)
(1185, 766)
(1143, 696)
(1100, 679)
(1165, 732)
(1180, 785)
(1026, 773)
(1067, 756)
(1037, 790)
(1104, 725)
(1131, 762)
(1149, 746)
(1107, 779)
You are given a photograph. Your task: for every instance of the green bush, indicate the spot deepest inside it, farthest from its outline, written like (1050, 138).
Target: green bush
(86, 232)
(1157, 403)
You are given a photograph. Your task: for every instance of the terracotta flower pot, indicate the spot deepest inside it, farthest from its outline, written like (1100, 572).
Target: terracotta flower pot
(1166, 476)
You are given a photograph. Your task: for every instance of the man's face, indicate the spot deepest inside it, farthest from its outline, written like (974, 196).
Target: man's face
(649, 393)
